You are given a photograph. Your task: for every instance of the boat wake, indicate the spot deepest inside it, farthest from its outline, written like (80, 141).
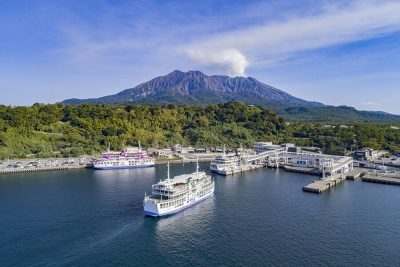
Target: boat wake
(87, 247)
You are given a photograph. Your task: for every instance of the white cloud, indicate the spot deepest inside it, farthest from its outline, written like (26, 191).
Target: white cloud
(333, 25)
(229, 61)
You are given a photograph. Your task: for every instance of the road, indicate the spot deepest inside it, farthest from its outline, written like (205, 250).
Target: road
(43, 163)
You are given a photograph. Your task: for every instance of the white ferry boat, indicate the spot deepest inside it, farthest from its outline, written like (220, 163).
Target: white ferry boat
(222, 163)
(173, 195)
(133, 157)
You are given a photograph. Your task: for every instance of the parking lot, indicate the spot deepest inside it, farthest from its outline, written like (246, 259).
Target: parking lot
(45, 163)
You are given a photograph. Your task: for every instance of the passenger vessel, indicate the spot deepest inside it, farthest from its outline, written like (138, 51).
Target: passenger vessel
(222, 163)
(131, 157)
(173, 195)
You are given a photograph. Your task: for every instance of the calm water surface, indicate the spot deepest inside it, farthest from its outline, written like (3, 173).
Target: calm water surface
(87, 217)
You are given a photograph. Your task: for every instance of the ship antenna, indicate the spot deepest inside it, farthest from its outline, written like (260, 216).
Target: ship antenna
(168, 171)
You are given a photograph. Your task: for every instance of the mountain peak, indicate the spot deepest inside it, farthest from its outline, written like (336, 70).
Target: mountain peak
(195, 87)
(190, 72)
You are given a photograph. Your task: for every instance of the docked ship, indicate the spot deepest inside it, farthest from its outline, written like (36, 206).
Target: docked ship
(224, 162)
(229, 164)
(173, 195)
(131, 157)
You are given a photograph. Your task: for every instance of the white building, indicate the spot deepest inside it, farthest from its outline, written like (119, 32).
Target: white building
(260, 147)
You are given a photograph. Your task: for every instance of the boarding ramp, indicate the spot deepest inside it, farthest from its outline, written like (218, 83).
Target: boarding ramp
(263, 156)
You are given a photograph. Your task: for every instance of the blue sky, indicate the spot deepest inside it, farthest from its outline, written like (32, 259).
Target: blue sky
(335, 52)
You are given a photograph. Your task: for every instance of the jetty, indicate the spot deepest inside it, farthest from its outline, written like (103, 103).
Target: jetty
(324, 184)
(304, 170)
(47, 168)
(241, 169)
(383, 178)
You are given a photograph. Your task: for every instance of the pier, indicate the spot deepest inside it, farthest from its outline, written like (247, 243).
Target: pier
(241, 169)
(356, 174)
(329, 182)
(324, 184)
(250, 162)
(50, 168)
(381, 179)
(304, 170)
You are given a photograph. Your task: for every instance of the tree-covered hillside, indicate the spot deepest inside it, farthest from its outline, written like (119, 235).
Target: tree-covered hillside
(58, 130)
(49, 130)
(342, 139)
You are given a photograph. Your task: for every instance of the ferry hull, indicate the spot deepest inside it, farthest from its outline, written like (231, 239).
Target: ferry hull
(213, 169)
(154, 214)
(121, 167)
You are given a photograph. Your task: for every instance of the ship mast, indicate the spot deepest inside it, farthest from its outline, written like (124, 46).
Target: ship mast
(168, 172)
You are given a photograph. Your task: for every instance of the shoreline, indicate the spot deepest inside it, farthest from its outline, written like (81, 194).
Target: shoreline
(76, 164)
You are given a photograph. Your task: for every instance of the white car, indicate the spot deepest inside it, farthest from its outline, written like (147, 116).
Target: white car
(18, 165)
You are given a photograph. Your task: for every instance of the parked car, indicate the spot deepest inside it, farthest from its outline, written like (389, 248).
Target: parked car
(29, 165)
(68, 162)
(82, 161)
(48, 163)
(37, 164)
(18, 165)
(33, 164)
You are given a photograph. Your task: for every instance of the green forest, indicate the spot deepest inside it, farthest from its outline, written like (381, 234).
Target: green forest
(59, 130)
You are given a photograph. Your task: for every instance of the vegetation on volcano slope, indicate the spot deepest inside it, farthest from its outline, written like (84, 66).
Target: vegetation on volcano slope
(58, 130)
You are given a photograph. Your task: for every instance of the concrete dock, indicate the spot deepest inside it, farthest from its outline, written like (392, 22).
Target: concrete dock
(300, 169)
(324, 184)
(50, 168)
(355, 174)
(241, 169)
(381, 179)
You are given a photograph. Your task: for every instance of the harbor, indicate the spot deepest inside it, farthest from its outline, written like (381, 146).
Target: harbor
(93, 214)
(328, 170)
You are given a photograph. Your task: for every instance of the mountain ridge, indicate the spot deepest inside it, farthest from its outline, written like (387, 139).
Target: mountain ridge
(194, 87)
(198, 85)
